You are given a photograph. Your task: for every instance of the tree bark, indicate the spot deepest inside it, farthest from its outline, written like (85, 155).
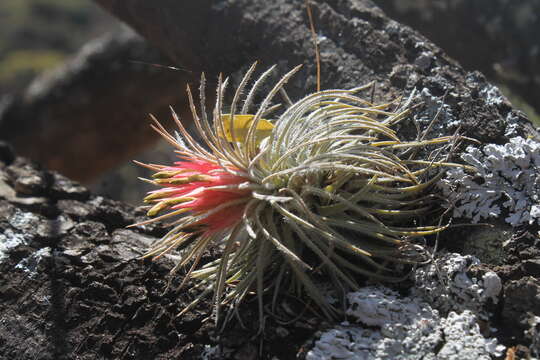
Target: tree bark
(358, 44)
(76, 288)
(497, 37)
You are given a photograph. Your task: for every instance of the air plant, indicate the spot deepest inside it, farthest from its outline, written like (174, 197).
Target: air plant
(325, 189)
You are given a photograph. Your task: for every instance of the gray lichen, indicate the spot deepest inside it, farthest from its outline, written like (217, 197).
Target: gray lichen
(446, 286)
(534, 334)
(439, 320)
(437, 116)
(507, 178)
(392, 327)
(9, 240)
(16, 235)
(210, 352)
(29, 264)
(492, 95)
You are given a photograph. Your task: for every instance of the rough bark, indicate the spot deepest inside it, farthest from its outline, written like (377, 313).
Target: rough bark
(498, 38)
(73, 285)
(75, 289)
(359, 44)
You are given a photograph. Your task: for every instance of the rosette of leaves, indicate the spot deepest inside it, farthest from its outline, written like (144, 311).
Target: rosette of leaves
(326, 189)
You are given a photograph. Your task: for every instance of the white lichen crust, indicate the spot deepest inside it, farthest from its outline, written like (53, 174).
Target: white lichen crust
(507, 178)
(10, 240)
(16, 235)
(446, 285)
(436, 115)
(30, 264)
(534, 334)
(393, 327)
(439, 320)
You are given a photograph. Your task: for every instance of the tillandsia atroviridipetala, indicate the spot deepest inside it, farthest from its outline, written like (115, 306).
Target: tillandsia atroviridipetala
(327, 189)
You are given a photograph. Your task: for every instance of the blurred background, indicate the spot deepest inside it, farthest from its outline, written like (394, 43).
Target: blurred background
(37, 35)
(72, 78)
(71, 75)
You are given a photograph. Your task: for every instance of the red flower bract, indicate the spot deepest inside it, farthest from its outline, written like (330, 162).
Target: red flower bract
(203, 188)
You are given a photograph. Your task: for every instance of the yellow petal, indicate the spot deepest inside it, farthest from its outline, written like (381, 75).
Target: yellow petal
(241, 126)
